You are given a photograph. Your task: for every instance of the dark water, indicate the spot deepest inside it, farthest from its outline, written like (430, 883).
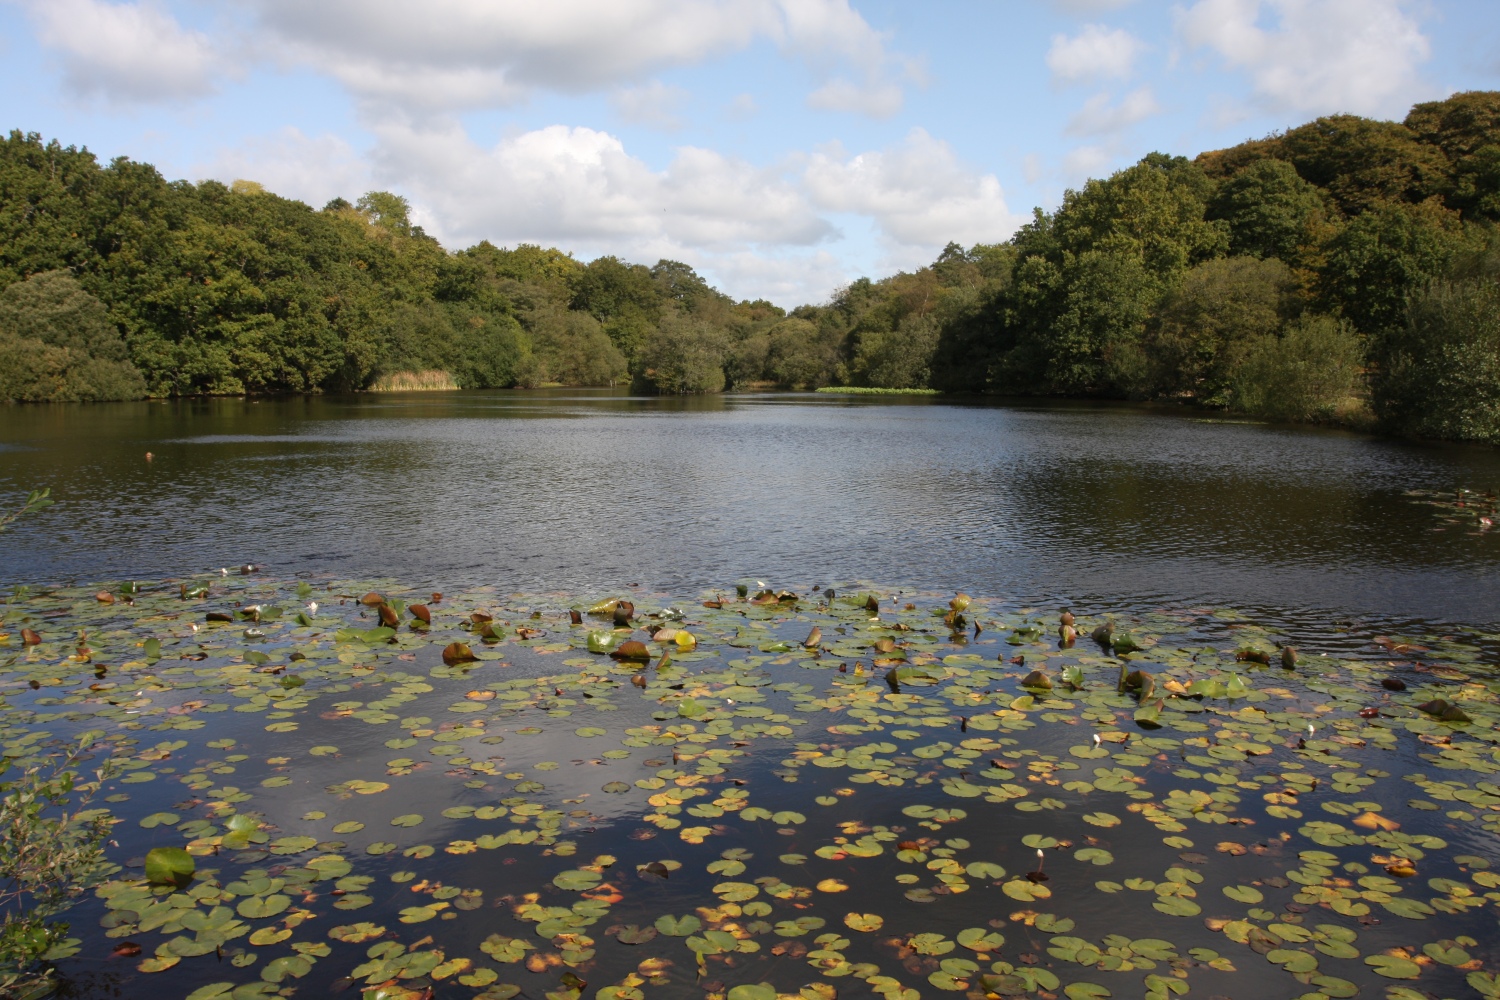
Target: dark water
(1154, 517)
(572, 489)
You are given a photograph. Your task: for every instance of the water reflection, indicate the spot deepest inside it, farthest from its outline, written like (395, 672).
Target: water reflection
(578, 489)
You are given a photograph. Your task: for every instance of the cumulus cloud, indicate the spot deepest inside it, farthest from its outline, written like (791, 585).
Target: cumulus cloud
(580, 187)
(1098, 116)
(877, 101)
(787, 279)
(1318, 56)
(1084, 162)
(1095, 52)
(314, 169)
(454, 54)
(655, 105)
(124, 52)
(917, 193)
(762, 231)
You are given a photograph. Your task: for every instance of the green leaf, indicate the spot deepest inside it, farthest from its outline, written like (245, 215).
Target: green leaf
(576, 880)
(170, 866)
(1086, 991)
(1393, 967)
(753, 991)
(678, 926)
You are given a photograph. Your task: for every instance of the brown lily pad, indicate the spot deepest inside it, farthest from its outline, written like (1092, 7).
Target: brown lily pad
(458, 652)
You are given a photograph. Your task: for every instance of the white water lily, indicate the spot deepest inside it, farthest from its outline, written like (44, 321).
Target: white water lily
(312, 607)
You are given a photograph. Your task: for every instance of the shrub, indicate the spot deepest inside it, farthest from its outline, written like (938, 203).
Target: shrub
(683, 356)
(54, 850)
(1440, 375)
(1204, 328)
(1311, 372)
(57, 344)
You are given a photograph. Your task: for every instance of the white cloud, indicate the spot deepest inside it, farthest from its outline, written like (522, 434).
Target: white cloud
(787, 279)
(918, 193)
(314, 169)
(452, 54)
(1099, 117)
(878, 101)
(760, 230)
(578, 187)
(655, 105)
(1096, 52)
(1321, 56)
(125, 52)
(1084, 162)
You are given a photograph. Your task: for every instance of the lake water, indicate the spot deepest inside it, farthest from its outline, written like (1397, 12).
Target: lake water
(816, 800)
(1091, 504)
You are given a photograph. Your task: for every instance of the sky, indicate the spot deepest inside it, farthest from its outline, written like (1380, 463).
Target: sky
(781, 147)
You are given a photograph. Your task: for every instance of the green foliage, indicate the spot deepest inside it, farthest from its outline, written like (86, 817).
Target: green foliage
(57, 343)
(54, 850)
(1203, 329)
(1439, 376)
(35, 501)
(1243, 277)
(1384, 255)
(684, 355)
(1269, 208)
(1361, 162)
(1309, 372)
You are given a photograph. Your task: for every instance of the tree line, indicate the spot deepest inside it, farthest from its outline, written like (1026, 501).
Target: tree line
(1344, 270)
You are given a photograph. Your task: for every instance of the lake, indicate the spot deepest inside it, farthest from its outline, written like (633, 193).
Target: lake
(1096, 504)
(575, 695)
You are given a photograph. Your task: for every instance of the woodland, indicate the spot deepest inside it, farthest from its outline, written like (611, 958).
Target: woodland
(1341, 271)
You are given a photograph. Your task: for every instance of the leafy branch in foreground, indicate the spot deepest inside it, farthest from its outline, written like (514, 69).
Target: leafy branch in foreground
(35, 501)
(54, 851)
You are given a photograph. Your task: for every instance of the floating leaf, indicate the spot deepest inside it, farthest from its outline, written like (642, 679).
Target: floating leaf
(170, 866)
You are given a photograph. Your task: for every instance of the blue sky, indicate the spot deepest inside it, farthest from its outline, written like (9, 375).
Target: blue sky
(782, 147)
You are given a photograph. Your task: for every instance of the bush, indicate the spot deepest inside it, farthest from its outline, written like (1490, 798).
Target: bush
(901, 358)
(1313, 371)
(54, 851)
(57, 344)
(1204, 328)
(801, 355)
(1440, 375)
(683, 356)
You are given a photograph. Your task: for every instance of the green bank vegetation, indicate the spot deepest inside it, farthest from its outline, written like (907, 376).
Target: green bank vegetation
(1344, 270)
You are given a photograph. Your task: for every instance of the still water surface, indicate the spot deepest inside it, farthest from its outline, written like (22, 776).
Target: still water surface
(575, 489)
(377, 758)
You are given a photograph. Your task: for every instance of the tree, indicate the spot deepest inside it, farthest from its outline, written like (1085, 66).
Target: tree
(1311, 372)
(387, 210)
(1439, 374)
(57, 344)
(1361, 162)
(1205, 327)
(1269, 209)
(683, 356)
(1382, 256)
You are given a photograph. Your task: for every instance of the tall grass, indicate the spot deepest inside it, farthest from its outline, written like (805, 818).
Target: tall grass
(434, 380)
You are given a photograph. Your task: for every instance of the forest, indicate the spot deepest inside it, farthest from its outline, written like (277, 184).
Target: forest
(1346, 270)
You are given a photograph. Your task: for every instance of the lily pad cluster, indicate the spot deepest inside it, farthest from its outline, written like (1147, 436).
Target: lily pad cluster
(762, 793)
